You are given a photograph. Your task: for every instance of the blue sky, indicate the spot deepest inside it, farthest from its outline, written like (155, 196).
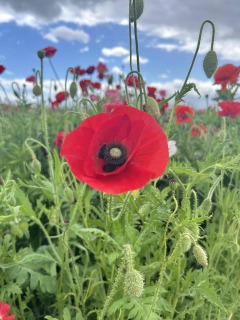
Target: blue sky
(87, 31)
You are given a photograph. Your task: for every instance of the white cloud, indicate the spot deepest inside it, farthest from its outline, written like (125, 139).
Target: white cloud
(84, 49)
(134, 60)
(117, 70)
(115, 51)
(67, 33)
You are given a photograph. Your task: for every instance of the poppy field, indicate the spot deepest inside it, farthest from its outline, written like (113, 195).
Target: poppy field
(117, 199)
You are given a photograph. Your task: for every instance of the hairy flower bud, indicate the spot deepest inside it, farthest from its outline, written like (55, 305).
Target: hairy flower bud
(185, 240)
(205, 206)
(73, 89)
(41, 54)
(152, 106)
(200, 255)
(133, 284)
(139, 6)
(69, 195)
(210, 63)
(36, 165)
(37, 91)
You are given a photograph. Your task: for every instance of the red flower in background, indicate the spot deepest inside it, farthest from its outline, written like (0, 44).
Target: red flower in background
(163, 93)
(131, 79)
(4, 311)
(163, 108)
(117, 152)
(229, 109)
(109, 107)
(77, 70)
(181, 113)
(198, 130)
(59, 97)
(96, 85)
(151, 92)
(112, 94)
(31, 79)
(58, 141)
(90, 69)
(84, 84)
(226, 73)
(2, 68)
(49, 52)
(101, 68)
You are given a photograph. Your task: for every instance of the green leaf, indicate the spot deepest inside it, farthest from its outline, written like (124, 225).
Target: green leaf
(210, 295)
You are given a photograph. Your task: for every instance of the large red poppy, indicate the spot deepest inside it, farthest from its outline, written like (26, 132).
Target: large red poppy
(49, 52)
(229, 109)
(226, 73)
(117, 152)
(182, 112)
(4, 311)
(2, 68)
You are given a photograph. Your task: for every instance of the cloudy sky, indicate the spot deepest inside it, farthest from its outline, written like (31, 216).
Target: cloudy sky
(86, 31)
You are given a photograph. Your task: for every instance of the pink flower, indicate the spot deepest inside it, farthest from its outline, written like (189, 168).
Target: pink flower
(49, 52)
(4, 311)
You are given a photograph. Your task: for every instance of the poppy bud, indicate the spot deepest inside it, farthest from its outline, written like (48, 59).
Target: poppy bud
(139, 5)
(200, 255)
(41, 54)
(133, 284)
(37, 91)
(152, 106)
(73, 89)
(173, 184)
(16, 94)
(185, 240)
(210, 63)
(36, 165)
(205, 206)
(195, 232)
(69, 195)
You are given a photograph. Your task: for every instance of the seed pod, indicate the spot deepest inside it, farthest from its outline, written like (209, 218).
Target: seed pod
(37, 91)
(133, 284)
(73, 89)
(210, 63)
(200, 255)
(139, 6)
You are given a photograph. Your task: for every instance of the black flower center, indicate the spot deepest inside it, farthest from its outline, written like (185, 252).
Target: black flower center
(114, 153)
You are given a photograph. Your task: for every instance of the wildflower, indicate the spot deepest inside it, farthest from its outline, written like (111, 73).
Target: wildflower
(229, 109)
(2, 68)
(109, 107)
(117, 152)
(78, 71)
(96, 85)
(49, 52)
(163, 107)
(31, 79)
(197, 130)
(84, 84)
(151, 92)
(61, 96)
(163, 93)
(4, 311)
(133, 80)
(228, 73)
(182, 112)
(90, 69)
(58, 141)
(101, 68)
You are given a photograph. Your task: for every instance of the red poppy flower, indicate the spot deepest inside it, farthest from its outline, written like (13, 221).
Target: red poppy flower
(117, 152)
(90, 69)
(4, 311)
(54, 105)
(2, 68)
(109, 107)
(182, 112)
(31, 79)
(49, 52)
(226, 73)
(84, 84)
(131, 79)
(163, 108)
(96, 85)
(101, 75)
(229, 109)
(198, 130)
(163, 93)
(77, 70)
(101, 68)
(151, 92)
(58, 141)
(61, 96)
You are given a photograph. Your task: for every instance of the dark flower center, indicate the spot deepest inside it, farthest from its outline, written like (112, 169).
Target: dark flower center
(114, 153)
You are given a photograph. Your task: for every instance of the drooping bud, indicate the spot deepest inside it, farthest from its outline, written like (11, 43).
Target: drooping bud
(139, 6)
(152, 106)
(185, 240)
(200, 255)
(210, 63)
(37, 91)
(73, 89)
(36, 165)
(205, 206)
(69, 195)
(195, 232)
(133, 284)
